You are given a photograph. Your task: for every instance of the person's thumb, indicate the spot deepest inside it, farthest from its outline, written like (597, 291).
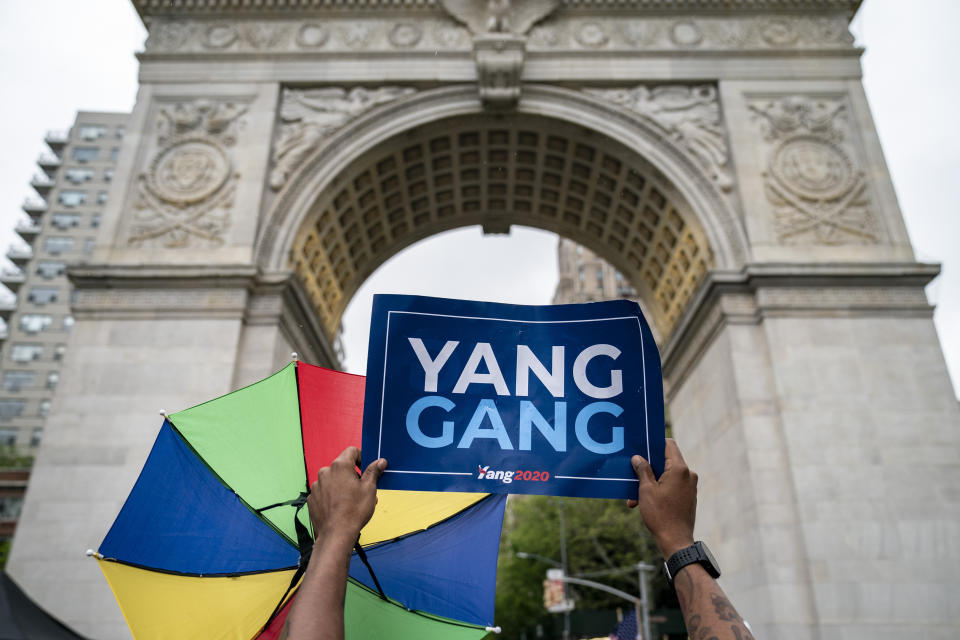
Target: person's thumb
(373, 471)
(643, 470)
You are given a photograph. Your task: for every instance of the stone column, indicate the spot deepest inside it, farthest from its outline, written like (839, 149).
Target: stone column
(145, 337)
(815, 404)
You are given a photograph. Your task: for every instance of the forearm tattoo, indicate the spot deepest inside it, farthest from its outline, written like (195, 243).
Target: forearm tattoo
(708, 625)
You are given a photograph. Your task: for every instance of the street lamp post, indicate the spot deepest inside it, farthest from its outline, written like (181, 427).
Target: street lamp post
(563, 566)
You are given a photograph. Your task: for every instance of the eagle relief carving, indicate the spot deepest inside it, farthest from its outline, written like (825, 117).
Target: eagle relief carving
(499, 30)
(186, 193)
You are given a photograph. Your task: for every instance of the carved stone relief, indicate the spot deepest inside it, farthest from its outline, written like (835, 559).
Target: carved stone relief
(690, 114)
(308, 116)
(630, 32)
(499, 43)
(708, 33)
(185, 195)
(818, 192)
(499, 16)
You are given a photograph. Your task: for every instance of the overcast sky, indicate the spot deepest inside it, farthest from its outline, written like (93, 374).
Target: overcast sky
(60, 56)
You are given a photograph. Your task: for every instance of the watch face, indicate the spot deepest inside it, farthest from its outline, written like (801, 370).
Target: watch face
(709, 556)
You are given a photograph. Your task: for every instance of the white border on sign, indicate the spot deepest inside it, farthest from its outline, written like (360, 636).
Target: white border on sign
(383, 387)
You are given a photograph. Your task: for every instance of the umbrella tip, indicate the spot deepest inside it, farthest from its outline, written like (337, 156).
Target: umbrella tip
(293, 355)
(163, 413)
(492, 629)
(93, 554)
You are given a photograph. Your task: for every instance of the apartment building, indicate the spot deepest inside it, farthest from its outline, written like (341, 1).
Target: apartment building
(586, 277)
(59, 229)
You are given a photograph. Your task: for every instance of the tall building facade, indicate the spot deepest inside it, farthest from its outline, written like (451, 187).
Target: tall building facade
(583, 276)
(59, 230)
(718, 153)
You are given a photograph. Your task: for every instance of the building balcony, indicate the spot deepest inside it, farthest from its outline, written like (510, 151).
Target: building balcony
(28, 230)
(7, 307)
(41, 183)
(19, 256)
(56, 140)
(12, 279)
(35, 206)
(48, 161)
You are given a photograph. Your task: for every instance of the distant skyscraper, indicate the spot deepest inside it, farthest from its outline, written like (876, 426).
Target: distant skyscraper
(60, 229)
(586, 277)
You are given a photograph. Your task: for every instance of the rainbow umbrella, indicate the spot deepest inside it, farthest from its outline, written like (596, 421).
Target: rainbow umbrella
(213, 538)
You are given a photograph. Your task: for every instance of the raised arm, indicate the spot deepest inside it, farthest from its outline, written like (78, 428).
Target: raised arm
(340, 504)
(669, 509)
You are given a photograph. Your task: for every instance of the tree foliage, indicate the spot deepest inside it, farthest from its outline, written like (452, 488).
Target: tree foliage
(600, 535)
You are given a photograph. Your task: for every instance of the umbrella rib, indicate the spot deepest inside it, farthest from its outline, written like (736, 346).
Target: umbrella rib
(190, 574)
(216, 475)
(380, 543)
(303, 446)
(422, 614)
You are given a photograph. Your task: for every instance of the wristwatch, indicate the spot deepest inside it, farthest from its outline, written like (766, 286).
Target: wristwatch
(697, 552)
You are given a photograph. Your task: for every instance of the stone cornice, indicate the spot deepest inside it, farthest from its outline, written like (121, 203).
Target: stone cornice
(769, 290)
(188, 8)
(103, 276)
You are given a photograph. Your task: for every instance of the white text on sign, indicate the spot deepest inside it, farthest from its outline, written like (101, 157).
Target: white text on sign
(530, 418)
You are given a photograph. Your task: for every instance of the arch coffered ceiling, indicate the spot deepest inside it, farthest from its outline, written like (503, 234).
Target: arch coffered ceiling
(364, 197)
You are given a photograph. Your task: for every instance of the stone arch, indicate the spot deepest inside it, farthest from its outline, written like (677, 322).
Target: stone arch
(564, 161)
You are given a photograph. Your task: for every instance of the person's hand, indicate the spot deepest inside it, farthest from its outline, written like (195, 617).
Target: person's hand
(668, 506)
(340, 500)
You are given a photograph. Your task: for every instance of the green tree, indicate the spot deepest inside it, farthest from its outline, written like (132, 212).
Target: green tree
(601, 535)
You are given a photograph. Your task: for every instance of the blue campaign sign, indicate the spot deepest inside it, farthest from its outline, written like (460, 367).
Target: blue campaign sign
(499, 398)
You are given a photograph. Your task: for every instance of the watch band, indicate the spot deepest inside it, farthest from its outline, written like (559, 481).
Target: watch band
(695, 553)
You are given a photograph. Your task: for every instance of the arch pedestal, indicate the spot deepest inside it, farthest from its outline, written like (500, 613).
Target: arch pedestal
(805, 380)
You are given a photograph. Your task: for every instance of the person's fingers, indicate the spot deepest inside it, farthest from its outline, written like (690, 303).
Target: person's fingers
(631, 503)
(671, 455)
(322, 471)
(349, 456)
(373, 471)
(642, 468)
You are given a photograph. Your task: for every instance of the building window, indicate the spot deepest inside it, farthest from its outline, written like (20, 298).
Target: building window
(10, 408)
(43, 295)
(8, 436)
(114, 154)
(107, 175)
(36, 436)
(72, 197)
(57, 244)
(50, 268)
(600, 277)
(89, 244)
(102, 197)
(52, 379)
(26, 352)
(91, 131)
(85, 154)
(77, 175)
(44, 408)
(10, 506)
(67, 323)
(95, 220)
(58, 351)
(120, 131)
(17, 380)
(64, 221)
(35, 322)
